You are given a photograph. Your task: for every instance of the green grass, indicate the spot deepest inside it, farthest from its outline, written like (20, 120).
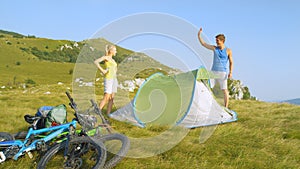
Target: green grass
(265, 136)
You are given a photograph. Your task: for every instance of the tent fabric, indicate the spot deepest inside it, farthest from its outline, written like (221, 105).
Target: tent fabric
(184, 99)
(125, 114)
(205, 110)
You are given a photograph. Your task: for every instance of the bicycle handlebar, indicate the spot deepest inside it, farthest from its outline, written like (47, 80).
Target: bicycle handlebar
(96, 108)
(99, 112)
(72, 103)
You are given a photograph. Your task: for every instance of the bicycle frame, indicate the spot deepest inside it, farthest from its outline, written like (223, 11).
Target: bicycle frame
(26, 146)
(32, 139)
(78, 132)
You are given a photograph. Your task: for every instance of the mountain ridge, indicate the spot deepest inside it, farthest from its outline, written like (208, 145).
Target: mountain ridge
(292, 101)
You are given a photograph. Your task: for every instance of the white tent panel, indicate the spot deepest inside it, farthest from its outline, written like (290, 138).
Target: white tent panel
(126, 114)
(204, 110)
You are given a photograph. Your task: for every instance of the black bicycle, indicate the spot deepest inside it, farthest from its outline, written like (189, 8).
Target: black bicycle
(89, 119)
(78, 150)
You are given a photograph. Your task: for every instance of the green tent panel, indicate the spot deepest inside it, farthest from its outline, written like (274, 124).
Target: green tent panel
(184, 99)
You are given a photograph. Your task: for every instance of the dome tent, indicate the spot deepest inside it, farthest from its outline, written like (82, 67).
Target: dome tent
(184, 99)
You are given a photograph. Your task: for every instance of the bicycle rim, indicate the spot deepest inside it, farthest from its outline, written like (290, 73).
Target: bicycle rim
(82, 153)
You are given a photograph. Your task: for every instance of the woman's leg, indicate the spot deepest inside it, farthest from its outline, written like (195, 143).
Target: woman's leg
(105, 100)
(110, 103)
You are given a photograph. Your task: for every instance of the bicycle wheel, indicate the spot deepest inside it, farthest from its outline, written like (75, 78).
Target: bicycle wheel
(117, 146)
(6, 136)
(82, 153)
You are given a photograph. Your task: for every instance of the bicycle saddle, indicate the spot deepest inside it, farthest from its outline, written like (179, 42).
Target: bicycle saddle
(30, 119)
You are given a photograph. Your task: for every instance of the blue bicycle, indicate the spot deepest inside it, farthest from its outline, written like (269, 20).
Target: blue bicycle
(79, 150)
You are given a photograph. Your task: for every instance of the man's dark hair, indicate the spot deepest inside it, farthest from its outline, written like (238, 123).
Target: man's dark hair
(221, 37)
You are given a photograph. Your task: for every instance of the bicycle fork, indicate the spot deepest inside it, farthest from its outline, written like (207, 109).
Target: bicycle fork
(71, 133)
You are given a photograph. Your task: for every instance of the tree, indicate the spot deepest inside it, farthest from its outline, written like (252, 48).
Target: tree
(238, 91)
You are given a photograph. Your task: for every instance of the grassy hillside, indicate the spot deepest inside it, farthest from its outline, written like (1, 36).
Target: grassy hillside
(47, 61)
(16, 65)
(265, 136)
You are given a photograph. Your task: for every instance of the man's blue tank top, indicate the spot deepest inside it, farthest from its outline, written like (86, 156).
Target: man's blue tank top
(220, 60)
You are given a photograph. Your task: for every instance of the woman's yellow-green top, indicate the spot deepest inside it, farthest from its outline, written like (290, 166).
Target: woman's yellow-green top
(111, 66)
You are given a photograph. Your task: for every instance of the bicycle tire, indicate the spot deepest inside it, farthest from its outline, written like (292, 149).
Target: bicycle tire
(4, 136)
(78, 142)
(120, 154)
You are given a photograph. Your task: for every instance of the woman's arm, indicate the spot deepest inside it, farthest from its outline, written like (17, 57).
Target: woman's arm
(97, 63)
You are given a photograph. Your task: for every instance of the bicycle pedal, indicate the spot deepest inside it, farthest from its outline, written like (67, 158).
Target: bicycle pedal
(30, 155)
(2, 157)
(107, 121)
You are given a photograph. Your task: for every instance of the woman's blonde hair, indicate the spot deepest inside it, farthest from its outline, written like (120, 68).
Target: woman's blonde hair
(108, 48)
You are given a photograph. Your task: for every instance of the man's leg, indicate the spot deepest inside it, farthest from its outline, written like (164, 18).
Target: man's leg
(226, 97)
(223, 86)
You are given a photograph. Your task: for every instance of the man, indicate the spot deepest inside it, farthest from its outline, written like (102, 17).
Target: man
(222, 55)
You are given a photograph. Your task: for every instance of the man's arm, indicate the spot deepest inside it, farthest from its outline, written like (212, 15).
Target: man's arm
(210, 47)
(230, 63)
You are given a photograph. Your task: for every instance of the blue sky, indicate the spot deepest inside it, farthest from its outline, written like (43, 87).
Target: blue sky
(263, 35)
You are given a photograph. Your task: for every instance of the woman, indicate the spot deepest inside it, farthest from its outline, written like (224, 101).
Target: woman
(110, 76)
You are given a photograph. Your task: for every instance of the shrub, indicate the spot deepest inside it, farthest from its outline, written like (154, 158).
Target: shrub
(71, 71)
(25, 49)
(31, 36)
(29, 81)
(18, 36)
